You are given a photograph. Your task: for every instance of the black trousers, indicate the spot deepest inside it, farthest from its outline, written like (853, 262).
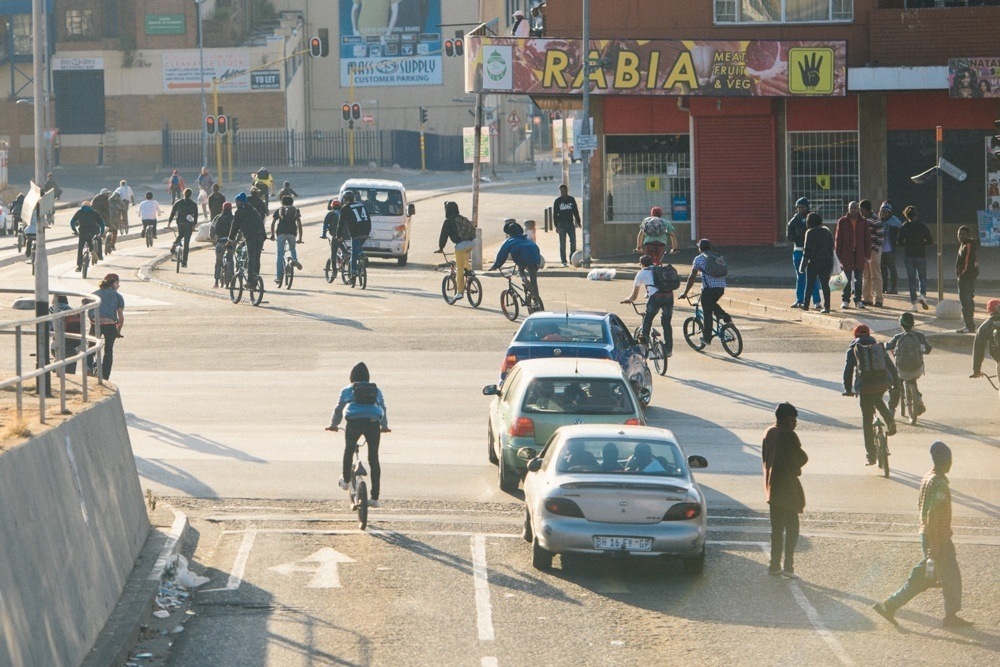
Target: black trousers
(665, 306)
(255, 245)
(889, 276)
(372, 431)
(110, 334)
(711, 309)
(869, 404)
(184, 231)
(529, 274)
(966, 296)
(855, 275)
(566, 231)
(80, 243)
(784, 536)
(822, 274)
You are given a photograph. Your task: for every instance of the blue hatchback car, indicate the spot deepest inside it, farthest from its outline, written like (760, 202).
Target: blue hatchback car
(583, 334)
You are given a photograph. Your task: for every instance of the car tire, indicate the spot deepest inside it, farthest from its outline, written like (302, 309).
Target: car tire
(402, 260)
(490, 454)
(646, 387)
(507, 477)
(540, 558)
(695, 565)
(527, 533)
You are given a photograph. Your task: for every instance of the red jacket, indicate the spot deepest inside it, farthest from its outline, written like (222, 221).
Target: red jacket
(853, 247)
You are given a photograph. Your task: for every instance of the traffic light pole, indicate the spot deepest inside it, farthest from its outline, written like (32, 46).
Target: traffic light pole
(215, 110)
(477, 170)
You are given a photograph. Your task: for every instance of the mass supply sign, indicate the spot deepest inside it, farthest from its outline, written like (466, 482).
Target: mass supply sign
(390, 43)
(757, 68)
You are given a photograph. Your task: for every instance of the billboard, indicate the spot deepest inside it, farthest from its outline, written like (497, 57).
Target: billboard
(390, 42)
(182, 70)
(758, 68)
(973, 78)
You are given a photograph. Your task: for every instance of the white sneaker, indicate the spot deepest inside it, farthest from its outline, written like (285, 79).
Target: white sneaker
(913, 307)
(963, 330)
(923, 303)
(342, 484)
(373, 503)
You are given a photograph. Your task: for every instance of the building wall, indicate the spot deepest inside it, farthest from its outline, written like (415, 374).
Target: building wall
(914, 37)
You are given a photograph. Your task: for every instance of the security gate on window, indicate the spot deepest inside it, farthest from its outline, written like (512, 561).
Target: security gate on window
(636, 182)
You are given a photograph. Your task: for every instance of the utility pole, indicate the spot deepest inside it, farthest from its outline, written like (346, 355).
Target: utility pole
(41, 259)
(477, 170)
(586, 155)
(939, 140)
(201, 79)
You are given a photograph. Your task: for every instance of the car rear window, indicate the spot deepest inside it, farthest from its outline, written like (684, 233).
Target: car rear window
(562, 330)
(381, 202)
(626, 457)
(578, 396)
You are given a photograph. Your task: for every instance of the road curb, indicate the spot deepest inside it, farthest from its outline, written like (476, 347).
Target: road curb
(144, 273)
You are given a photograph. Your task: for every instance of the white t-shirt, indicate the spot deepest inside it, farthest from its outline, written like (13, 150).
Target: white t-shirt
(125, 192)
(645, 277)
(149, 209)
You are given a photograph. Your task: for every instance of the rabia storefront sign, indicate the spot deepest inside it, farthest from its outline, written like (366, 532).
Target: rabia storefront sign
(758, 68)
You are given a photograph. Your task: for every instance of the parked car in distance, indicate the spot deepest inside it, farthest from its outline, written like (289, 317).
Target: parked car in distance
(614, 490)
(540, 395)
(583, 334)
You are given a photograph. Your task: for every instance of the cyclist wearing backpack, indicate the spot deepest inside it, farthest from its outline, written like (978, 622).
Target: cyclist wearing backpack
(868, 374)
(332, 218)
(288, 220)
(566, 216)
(222, 232)
(525, 254)
(909, 348)
(987, 338)
(462, 233)
(655, 235)
(354, 224)
(660, 283)
(365, 415)
(186, 212)
(713, 269)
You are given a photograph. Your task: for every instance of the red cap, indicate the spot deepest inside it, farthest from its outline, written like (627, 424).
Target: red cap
(228, 206)
(993, 306)
(862, 330)
(656, 211)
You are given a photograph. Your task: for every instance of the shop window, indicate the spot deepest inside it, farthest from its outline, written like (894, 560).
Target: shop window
(783, 11)
(79, 23)
(647, 171)
(21, 29)
(823, 167)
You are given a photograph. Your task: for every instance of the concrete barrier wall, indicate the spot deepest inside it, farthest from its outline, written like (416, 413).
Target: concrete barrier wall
(72, 522)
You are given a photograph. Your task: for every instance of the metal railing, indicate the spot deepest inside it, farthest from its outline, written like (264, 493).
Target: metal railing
(90, 345)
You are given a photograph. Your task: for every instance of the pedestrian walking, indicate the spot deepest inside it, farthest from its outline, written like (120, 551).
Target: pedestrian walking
(215, 202)
(111, 317)
(175, 186)
(967, 270)
(795, 233)
(50, 184)
(205, 183)
(656, 236)
(891, 225)
(871, 291)
(566, 216)
(852, 241)
(817, 258)
(782, 458)
(939, 565)
(914, 238)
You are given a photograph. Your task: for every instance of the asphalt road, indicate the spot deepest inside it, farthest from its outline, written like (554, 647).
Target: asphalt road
(228, 403)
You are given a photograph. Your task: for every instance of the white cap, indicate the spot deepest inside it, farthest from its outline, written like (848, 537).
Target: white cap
(519, 13)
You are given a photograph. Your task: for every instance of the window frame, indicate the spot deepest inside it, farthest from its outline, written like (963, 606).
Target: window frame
(738, 21)
(829, 216)
(85, 20)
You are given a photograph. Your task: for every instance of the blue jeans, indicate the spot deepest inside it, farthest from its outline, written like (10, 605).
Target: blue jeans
(357, 253)
(800, 280)
(282, 240)
(914, 266)
(946, 568)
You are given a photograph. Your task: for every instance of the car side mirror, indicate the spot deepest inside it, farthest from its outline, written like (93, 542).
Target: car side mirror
(697, 461)
(535, 464)
(490, 390)
(411, 209)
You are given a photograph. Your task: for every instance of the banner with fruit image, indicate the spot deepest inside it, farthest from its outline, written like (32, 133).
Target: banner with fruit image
(758, 68)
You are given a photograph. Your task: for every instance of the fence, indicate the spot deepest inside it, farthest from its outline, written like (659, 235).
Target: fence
(89, 345)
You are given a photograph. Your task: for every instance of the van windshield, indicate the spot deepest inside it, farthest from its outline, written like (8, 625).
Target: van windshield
(382, 202)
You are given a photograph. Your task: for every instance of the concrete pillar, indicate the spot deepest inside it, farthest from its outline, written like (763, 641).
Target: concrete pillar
(873, 146)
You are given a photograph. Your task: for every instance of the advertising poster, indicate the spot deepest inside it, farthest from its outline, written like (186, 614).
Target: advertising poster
(182, 70)
(658, 67)
(989, 229)
(973, 78)
(469, 143)
(390, 42)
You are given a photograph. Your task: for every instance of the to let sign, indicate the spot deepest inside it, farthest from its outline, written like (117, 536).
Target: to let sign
(586, 142)
(265, 79)
(165, 24)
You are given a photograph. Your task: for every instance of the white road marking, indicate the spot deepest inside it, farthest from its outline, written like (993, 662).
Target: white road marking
(814, 618)
(239, 564)
(176, 529)
(489, 662)
(325, 572)
(484, 610)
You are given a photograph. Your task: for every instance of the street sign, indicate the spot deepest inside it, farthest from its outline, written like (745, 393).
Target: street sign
(322, 565)
(513, 119)
(368, 118)
(586, 142)
(469, 140)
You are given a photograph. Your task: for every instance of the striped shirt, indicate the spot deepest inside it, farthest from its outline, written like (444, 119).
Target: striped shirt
(707, 280)
(935, 507)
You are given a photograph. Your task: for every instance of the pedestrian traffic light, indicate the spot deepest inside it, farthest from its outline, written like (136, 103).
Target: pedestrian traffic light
(315, 47)
(236, 124)
(356, 111)
(459, 46)
(423, 115)
(222, 124)
(449, 47)
(345, 111)
(210, 124)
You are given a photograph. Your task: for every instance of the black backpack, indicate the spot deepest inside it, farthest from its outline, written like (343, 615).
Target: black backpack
(263, 175)
(665, 277)
(715, 264)
(365, 393)
(872, 364)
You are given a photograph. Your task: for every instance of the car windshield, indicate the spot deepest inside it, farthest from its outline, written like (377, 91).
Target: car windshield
(578, 396)
(620, 456)
(561, 330)
(382, 202)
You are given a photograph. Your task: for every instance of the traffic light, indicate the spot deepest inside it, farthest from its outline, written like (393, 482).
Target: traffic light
(449, 47)
(222, 124)
(210, 124)
(315, 47)
(345, 111)
(423, 115)
(356, 111)
(236, 124)
(459, 46)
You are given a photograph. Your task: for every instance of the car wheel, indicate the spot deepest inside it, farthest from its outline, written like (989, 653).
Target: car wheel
(540, 558)
(506, 476)
(402, 260)
(527, 533)
(695, 565)
(646, 387)
(490, 454)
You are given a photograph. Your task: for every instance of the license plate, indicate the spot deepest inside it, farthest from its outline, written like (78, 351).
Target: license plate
(371, 244)
(606, 543)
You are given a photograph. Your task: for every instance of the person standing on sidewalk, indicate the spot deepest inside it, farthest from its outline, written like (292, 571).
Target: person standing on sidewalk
(967, 270)
(939, 564)
(566, 217)
(795, 233)
(891, 225)
(656, 236)
(462, 233)
(215, 202)
(852, 242)
(205, 183)
(712, 289)
(914, 237)
(782, 457)
(871, 293)
(817, 258)
(111, 318)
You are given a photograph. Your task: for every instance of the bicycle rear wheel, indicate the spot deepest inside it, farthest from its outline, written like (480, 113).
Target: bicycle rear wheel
(473, 291)
(508, 304)
(236, 288)
(20, 243)
(345, 268)
(256, 290)
(882, 443)
(658, 354)
(732, 341)
(329, 271)
(85, 264)
(363, 275)
(693, 333)
(361, 500)
(910, 401)
(178, 254)
(149, 237)
(289, 275)
(449, 289)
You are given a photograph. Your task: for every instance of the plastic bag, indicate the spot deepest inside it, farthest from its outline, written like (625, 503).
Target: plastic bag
(204, 233)
(839, 281)
(601, 274)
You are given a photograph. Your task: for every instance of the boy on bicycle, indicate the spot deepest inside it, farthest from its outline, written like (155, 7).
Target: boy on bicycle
(868, 374)
(365, 415)
(987, 339)
(658, 300)
(525, 254)
(462, 233)
(288, 221)
(908, 348)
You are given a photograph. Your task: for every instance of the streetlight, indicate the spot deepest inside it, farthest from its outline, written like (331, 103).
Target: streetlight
(204, 104)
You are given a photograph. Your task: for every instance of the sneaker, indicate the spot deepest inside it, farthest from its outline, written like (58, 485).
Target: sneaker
(78, 269)
(870, 461)
(789, 574)
(706, 341)
(860, 305)
(878, 304)
(913, 307)
(921, 409)
(817, 306)
(459, 296)
(891, 430)
(216, 285)
(886, 613)
(669, 353)
(953, 621)
(323, 237)
(373, 503)
(342, 484)
(277, 281)
(963, 330)
(845, 306)
(565, 264)
(773, 571)
(825, 311)
(184, 265)
(797, 304)
(923, 303)
(296, 265)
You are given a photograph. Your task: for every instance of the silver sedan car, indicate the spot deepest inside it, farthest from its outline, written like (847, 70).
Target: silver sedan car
(614, 490)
